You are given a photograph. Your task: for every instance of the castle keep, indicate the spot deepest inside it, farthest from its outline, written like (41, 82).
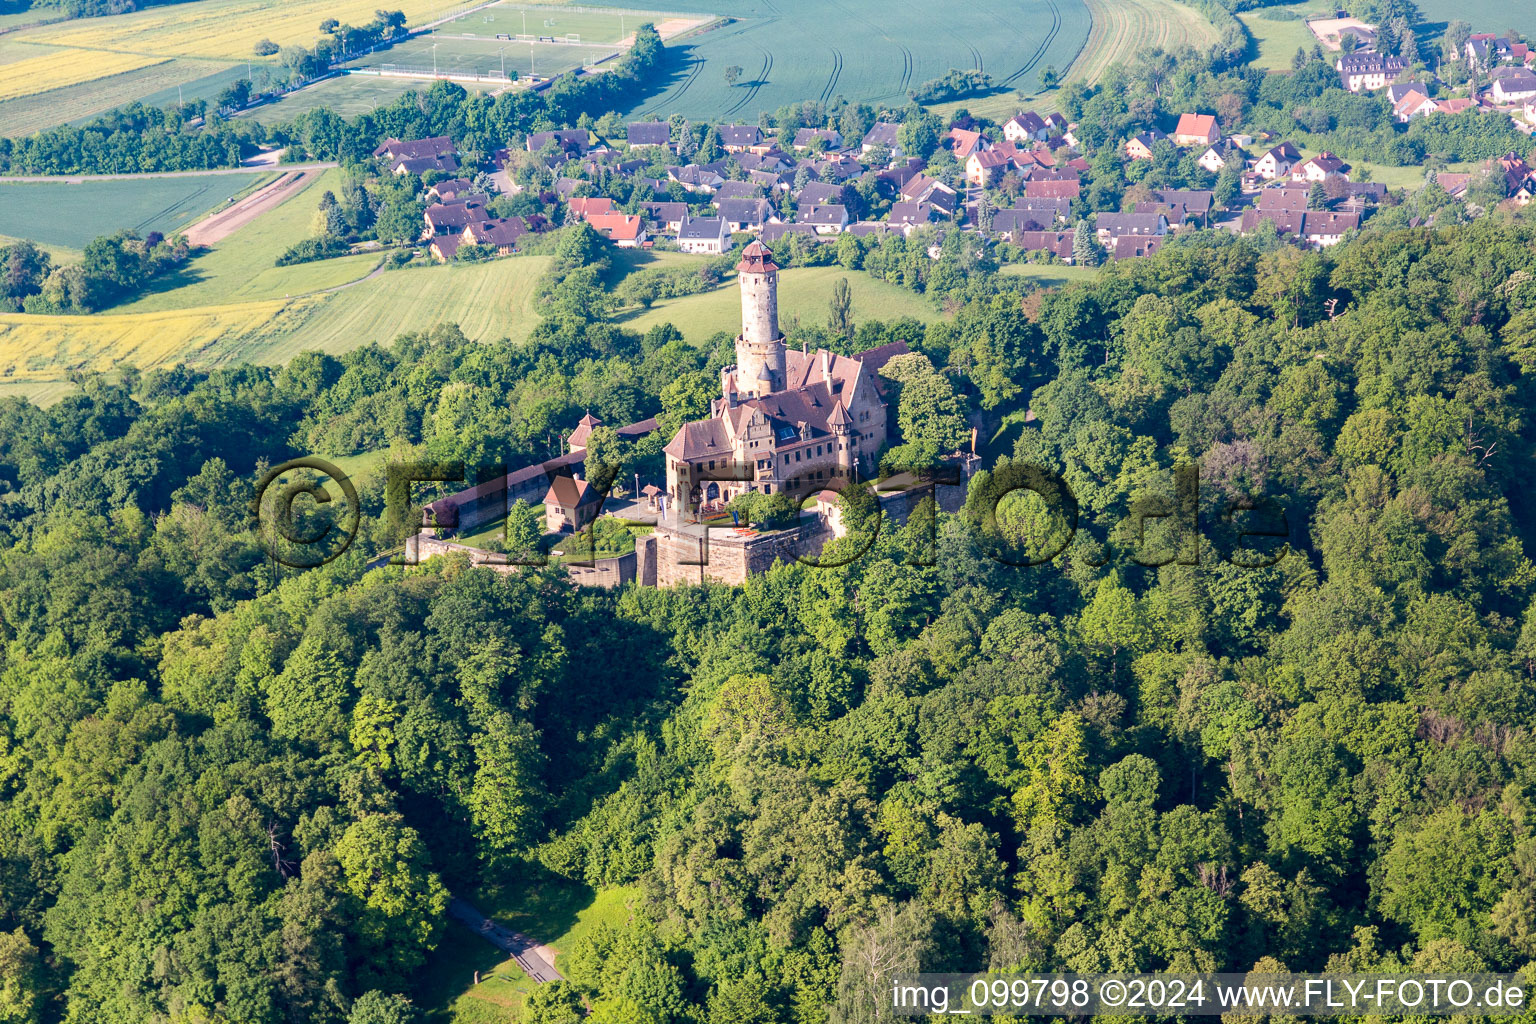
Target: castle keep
(785, 420)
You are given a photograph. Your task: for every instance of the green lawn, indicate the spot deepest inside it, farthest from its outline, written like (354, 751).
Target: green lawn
(60, 253)
(803, 292)
(42, 393)
(243, 266)
(1276, 42)
(59, 213)
(1051, 275)
(545, 907)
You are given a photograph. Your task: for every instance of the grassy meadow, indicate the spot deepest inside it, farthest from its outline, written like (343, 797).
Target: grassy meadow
(1276, 42)
(545, 907)
(347, 95)
(1051, 275)
(803, 292)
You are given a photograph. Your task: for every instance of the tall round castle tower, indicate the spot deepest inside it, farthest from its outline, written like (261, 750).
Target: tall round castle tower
(760, 363)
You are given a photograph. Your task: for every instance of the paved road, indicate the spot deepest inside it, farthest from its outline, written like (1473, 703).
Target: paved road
(75, 179)
(522, 948)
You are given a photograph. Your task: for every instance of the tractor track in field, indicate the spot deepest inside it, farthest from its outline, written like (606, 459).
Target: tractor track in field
(677, 91)
(837, 72)
(1040, 50)
(906, 71)
(757, 84)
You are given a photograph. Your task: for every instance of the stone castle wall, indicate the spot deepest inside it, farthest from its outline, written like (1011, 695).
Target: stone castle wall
(728, 557)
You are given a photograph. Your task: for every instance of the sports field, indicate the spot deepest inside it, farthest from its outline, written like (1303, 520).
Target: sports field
(59, 213)
(460, 55)
(872, 51)
(590, 24)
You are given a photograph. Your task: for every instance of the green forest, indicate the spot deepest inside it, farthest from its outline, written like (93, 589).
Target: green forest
(235, 792)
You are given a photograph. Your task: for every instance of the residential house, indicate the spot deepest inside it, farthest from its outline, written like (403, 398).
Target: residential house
(649, 133)
(419, 157)
(1455, 184)
(696, 178)
(906, 216)
(586, 207)
(1366, 72)
(806, 137)
(1283, 199)
(1485, 49)
(1413, 104)
(1128, 247)
(1322, 228)
(704, 235)
(827, 220)
(1196, 130)
(1115, 225)
(739, 138)
(839, 168)
(984, 166)
(451, 218)
(769, 181)
(1277, 163)
(817, 192)
(1057, 243)
(773, 232)
(569, 141)
(625, 230)
(963, 142)
(1517, 173)
(1398, 90)
(1026, 127)
(884, 133)
(1139, 147)
(867, 228)
(1052, 188)
(445, 247)
(668, 217)
(1050, 211)
(1009, 223)
(1320, 168)
(774, 160)
(1514, 88)
(737, 190)
(453, 188)
(500, 232)
(1215, 157)
(743, 214)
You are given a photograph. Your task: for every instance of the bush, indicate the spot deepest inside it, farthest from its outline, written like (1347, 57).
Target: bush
(266, 48)
(312, 249)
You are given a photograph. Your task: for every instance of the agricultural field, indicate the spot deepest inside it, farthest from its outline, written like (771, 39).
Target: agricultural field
(223, 29)
(1275, 42)
(803, 292)
(794, 50)
(155, 85)
(29, 70)
(347, 95)
(61, 213)
(1120, 28)
(1483, 15)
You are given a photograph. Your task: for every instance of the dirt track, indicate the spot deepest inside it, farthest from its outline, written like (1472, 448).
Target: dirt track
(226, 222)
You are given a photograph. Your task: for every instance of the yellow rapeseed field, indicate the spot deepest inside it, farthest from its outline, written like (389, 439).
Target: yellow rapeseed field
(227, 29)
(55, 68)
(39, 348)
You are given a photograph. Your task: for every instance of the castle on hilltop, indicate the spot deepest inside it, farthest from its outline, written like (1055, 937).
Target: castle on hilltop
(785, 420)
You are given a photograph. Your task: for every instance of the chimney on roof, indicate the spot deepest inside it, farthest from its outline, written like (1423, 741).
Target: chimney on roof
(826, 365)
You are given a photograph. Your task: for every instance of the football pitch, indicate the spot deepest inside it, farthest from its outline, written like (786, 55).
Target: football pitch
(592, 25)
(485, 57)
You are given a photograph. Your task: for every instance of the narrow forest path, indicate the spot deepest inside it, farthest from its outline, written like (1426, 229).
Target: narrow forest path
(538, 962)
